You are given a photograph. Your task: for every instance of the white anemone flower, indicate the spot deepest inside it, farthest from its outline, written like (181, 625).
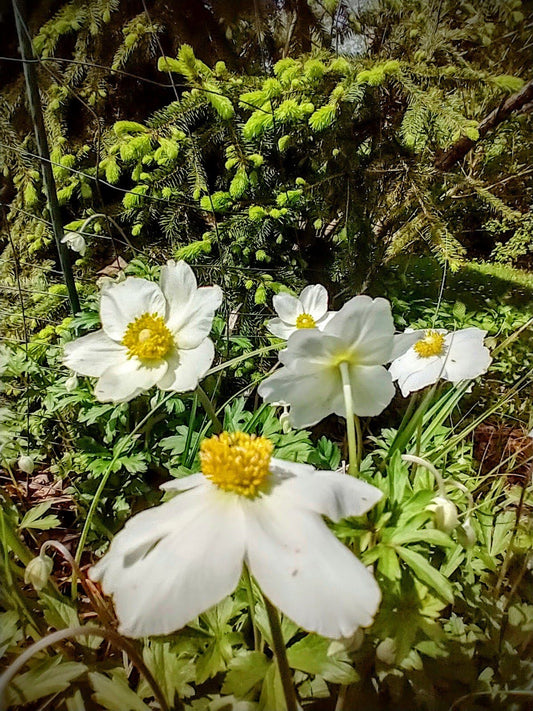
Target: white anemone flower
(309, 310)
(174, 561)
(352, 348)
(151, 335)
(76, 242)
(437, 353)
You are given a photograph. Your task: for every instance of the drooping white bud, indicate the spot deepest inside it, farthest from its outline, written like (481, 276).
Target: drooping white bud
(445, 513)
(347, 644)
(26, 464)
(71, 383)
(386, 651)
(38, 571)
(285, 420)
(466, 535)
(76, 242)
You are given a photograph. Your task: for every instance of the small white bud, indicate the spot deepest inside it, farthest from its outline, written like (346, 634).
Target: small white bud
(76, 242)
(25, 464)
(71, 383)
(386, 651)
(466, 534)
(285, 420)
(347, 644)
(445, 513)
(38, 571)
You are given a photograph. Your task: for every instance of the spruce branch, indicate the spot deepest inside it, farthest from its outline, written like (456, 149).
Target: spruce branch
(520, 102)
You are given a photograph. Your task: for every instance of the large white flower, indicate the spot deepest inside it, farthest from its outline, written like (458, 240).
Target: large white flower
(151, 335)
(358, 339)
(309, 310)
(437, 353)
(173, 562)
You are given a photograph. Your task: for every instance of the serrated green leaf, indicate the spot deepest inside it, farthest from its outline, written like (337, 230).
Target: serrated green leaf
(245, 671)
(310, 655)
(115, 694)
(50, 676)
(427, 573)
(33, 520)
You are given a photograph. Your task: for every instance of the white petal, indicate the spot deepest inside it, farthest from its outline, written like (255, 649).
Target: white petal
(314, 300)
(124, 302)
(328, 493)
(184, 483)
(311, 396)
(372, 389)
(466, 357)
(287, 307)
(430, 370)
(365, 325)
(280, 329)
(309, 350)
(190, 310)
(402, 342)
(174, 562)
(306, 572)
(178, 282)
(323, 322)
(187, 366)
(93, 353)
(407, 364)
(126, 379)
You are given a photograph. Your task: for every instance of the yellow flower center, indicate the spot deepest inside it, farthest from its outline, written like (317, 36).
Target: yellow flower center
(431, 345)
(148, 338)
(305, 321)
(236, 461)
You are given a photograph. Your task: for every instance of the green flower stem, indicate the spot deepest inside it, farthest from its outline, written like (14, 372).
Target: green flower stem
(353, 466)
(251, 607)
(209, 409)
(96, 499)
(278, 647)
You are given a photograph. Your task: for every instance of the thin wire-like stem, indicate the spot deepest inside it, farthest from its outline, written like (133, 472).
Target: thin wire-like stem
(278, 647)
(209, 409)
(111, 635)
(353, 459)
(251, 607)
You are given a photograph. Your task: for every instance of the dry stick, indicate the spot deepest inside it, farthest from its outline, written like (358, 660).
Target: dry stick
(516, 103)
(44, 154)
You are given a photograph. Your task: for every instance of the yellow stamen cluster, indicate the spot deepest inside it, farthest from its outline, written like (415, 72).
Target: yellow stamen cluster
(305, 321)
(431, 345)
(148, 338)
(236, 461)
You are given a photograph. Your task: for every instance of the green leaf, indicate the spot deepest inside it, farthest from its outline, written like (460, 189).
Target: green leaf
(33, 520)
(174, 674)
(245, 671)
(50, 676)
(427, 573)
(272, 696)
(115, 694)
(310, 655)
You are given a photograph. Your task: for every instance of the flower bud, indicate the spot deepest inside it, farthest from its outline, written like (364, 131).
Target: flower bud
(386, 651)
(25, 464)
(445, 513)
(76, 242)
(71, 383)
(347, 644)
(38, 571)
(466, 534)
(285, 420)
